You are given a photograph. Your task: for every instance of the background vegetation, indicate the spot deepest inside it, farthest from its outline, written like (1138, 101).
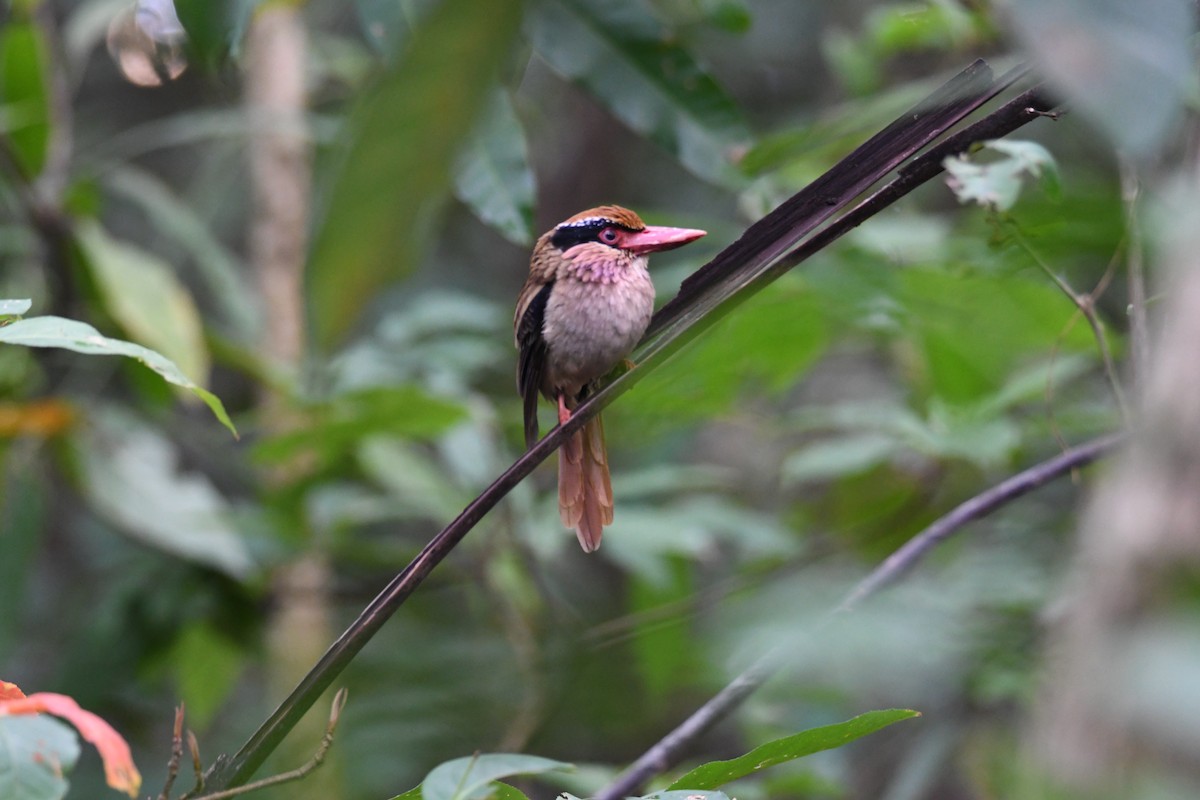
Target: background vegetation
(321, 211)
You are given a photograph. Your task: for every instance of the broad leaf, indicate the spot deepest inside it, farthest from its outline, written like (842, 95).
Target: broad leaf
(132, 476)
(14, 308)
(406, 135)
(223, 277)
(789, 748)
(623, 55)
(80, 337)
(468, 778)
(26, 120)
(493, 175)
(144, 296)
(35, 753)
(339, 425)
(972, 331)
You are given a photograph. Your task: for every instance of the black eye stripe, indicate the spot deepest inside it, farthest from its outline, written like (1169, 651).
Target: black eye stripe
(568, 235)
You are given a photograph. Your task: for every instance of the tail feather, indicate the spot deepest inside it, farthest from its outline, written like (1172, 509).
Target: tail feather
(570, 480)
(585, 498)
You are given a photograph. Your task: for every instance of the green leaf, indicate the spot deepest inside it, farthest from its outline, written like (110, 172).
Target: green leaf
(206, 663)
(920, 26)
(972, 331)
(23, 66)
(421, 486)
(388, 24)
(997, 184)
(14, 308)
(493, 175)
(406, 136)
(845, 456)
(468, 778)
(223, 277)
(36, 751)
(731, 16)
(766, 346)
(622, 54)
(502, 791)
(1136, 92)
(80, 337)
(132, 476)
(214, 27)
(336, 427)
(144, 296)
(789, 748)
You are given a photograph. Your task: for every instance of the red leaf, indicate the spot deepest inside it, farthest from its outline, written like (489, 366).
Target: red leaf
(9, 691)
(119, 769)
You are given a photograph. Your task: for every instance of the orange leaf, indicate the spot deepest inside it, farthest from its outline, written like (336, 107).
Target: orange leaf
(47, 417)
(119, 770)
(9, 691)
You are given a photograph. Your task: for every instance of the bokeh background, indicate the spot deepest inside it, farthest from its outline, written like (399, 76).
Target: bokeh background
(322, 212)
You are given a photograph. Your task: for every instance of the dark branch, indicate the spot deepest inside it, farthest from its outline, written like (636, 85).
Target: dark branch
(664, 754)
(734, 275)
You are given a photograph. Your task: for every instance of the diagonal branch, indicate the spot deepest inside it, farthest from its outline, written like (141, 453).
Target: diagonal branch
(763, 253)
(664, 754)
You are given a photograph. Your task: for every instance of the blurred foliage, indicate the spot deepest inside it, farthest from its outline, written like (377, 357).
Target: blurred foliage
(758, 474)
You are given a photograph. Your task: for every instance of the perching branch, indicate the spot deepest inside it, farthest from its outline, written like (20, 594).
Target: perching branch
(763, 253)
(667, 750)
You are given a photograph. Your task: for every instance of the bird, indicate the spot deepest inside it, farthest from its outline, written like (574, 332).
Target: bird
(586, 303)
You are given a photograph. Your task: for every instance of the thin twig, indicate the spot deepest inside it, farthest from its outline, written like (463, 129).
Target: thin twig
(197, 766)
(665, 753)
(176, 755)
(1097, 292)
(1086, 305)
(335, 712)
(1138, 333)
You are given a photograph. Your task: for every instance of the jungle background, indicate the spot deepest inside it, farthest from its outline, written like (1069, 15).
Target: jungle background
(322, 212)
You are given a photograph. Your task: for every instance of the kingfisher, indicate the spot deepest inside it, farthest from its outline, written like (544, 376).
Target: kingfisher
(584, 307)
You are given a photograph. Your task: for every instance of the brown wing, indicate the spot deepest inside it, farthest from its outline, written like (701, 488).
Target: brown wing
(531, 358)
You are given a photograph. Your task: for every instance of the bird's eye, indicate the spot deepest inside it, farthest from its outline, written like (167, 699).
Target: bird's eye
(609, 236)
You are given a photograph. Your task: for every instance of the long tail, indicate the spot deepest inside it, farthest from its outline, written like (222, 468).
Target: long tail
(585, 499)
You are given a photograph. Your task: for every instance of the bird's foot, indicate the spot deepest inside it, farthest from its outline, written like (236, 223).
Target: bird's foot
(623, 366)
(564, 413)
